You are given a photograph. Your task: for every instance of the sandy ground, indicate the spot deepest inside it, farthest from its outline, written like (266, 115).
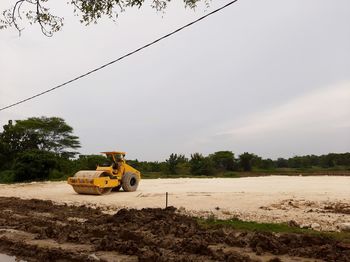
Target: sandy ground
(320, 202)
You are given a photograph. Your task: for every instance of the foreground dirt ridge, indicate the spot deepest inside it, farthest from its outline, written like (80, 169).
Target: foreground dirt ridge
(43, 231)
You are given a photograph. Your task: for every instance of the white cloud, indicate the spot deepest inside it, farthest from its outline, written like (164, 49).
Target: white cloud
(315, 123)
(325, 108)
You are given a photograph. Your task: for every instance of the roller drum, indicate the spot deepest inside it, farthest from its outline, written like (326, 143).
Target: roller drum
(88, 176)
(91, 190)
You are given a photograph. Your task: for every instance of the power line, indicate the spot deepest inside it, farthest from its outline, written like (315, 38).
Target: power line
(120, 58)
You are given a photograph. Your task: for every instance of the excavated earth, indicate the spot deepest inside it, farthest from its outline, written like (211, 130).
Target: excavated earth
(37, 230)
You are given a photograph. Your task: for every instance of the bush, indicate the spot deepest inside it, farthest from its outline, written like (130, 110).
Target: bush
(246, 161)
(201, 165)
(223, 160)
(89, 162)
(57, 175)
(7, 176)
(34, 165)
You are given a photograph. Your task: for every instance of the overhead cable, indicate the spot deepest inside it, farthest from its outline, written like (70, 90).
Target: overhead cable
(118, 59)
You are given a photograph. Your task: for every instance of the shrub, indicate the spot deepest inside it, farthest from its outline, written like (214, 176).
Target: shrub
(7, 176)
(34, 165)
(201, 165)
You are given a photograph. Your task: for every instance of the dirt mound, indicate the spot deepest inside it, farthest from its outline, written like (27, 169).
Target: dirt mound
(341, 208)
(42, 231)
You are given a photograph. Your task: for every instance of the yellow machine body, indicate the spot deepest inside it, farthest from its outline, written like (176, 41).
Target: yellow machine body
(106, 178)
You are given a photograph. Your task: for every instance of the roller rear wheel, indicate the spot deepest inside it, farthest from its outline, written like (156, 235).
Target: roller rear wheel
(130, 182)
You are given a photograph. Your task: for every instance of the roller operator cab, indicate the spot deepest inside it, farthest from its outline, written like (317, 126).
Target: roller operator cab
(113, 175)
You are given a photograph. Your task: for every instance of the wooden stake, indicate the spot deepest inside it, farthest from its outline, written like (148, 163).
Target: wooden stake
(166, 199)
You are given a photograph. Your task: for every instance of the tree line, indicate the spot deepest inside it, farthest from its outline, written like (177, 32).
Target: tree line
(225, 161)
(41, 148)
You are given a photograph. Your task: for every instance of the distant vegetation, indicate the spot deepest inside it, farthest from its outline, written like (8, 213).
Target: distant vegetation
(225, 164)
(45, 149)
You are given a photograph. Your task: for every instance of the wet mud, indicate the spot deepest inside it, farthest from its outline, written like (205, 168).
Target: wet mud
(36, 230)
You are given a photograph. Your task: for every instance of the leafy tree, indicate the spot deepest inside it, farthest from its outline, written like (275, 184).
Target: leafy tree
(88, 11)
(201, 165)
(327, 160)
(184, 168)
(297, 162)
(155, 166)
(342, 159)
(223, 160)
(173, 161)
(313, 160)
(151, 166)
(266, 164)
(281, 163)
(15, 139)
(45, 133)
(246, 161)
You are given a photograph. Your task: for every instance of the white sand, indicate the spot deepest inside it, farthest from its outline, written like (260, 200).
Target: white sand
(268, 199)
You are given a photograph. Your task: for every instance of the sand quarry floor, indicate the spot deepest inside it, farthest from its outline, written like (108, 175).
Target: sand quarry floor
(320, 202)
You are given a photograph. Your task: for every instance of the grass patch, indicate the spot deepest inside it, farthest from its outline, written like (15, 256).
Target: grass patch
(240, 225)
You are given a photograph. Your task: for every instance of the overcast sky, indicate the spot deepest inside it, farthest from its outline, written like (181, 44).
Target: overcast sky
(270, 77)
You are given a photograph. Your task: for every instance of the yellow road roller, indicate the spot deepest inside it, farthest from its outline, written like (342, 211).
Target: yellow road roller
(113, 175)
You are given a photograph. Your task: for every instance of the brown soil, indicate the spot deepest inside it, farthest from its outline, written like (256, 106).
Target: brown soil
(341, 208)
(37, 230)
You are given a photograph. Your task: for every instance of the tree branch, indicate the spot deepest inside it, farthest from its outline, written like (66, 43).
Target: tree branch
(90, 11)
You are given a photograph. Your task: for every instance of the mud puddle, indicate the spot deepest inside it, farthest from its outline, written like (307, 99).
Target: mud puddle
(37, 230)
